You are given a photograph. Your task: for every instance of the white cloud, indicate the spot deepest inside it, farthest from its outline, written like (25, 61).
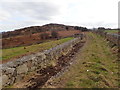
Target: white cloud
(4, 15)
(36, 10)
(91, 13)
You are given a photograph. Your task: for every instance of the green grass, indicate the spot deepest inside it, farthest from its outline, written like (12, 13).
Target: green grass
(17, 51)
(96, 66)
(111, 31)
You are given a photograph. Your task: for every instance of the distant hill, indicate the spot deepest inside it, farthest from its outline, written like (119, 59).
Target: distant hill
(32, 35)
(38, 29)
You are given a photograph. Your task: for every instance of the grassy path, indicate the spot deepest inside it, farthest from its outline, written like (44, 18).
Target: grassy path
(96, 67)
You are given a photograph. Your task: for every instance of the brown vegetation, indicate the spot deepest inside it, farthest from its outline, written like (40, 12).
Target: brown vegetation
(32, 38)
(37, 29)
(37, 34)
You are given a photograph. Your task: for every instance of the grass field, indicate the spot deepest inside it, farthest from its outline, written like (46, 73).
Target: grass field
(96, 66)
(111, 31)
(18, 51)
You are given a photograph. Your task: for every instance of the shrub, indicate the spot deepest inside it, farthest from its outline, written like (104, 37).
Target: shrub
(54, 34)
(44, 36)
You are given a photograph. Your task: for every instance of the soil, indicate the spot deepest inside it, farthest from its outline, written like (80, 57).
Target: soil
(42, 76)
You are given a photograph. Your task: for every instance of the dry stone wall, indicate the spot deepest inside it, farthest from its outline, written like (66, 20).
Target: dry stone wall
(15, 71)
(113, 38)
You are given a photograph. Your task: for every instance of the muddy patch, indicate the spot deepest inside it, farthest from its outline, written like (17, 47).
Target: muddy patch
(45, 74)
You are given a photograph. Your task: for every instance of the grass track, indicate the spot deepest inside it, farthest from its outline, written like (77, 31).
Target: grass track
(96, 67)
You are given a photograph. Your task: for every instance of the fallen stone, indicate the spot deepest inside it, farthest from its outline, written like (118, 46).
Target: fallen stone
(22, 69)
(5, 80)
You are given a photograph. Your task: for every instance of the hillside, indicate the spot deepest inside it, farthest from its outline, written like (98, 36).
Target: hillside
(26, 40)
(38, 29)
(31, 35)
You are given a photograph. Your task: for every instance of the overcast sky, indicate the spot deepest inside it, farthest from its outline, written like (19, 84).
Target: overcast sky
(16, 14)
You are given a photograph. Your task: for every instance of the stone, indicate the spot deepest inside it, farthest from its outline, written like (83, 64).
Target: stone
(33, 68)
(19, 78)
(39, 59)
(12, 80)
(5, 80)
(43, 56)
(9, 70)
(0, 82)
(13, 64)
(22, 69)
(29, 65)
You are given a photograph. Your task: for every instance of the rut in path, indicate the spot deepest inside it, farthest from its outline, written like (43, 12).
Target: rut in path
(46, 73)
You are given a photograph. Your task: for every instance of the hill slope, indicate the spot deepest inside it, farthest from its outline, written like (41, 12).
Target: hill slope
(31, 35)
(38, 29)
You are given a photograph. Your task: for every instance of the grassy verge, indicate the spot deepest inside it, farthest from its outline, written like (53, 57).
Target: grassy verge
(18, 51)
(111, 31)
(96, 67)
